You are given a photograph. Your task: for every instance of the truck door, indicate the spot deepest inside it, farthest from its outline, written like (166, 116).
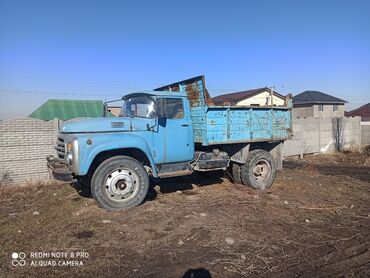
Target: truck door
(174, 140)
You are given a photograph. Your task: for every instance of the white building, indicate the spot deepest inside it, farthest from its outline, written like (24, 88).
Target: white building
(256, 97)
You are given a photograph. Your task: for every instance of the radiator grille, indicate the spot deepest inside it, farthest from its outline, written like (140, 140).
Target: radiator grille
(60, 148)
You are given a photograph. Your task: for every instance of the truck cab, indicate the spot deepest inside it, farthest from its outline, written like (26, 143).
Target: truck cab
(167, 125)
(154, 133)
(171, 131)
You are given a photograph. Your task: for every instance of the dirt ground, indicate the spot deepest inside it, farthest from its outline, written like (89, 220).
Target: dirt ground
(314, 221)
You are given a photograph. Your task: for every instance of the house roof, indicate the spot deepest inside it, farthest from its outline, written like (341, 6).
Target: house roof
(65, 109)
(316, 97)
(238, 96)
(363, 111)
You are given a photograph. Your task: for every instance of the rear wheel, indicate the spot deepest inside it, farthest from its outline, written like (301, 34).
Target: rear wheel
(259, 170)
(119, 182)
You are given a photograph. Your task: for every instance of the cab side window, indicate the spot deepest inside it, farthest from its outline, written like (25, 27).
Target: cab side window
(170, 108)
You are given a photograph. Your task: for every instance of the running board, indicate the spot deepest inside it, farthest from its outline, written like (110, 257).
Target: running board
(175, 173)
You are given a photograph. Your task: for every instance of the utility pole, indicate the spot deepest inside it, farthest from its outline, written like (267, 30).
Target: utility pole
(272, 95)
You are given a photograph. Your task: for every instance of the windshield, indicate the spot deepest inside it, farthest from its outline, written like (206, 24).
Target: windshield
(140, 106)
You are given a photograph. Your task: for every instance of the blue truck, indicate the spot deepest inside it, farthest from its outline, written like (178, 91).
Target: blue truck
(173, 130)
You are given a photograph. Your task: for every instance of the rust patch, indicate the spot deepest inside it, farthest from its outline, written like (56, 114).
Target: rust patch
(208, 98)
(193, 93)
(197, 93)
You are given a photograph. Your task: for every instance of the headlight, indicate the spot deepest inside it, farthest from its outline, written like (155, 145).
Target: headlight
(69, 158)
(72, 149)
(69, 146)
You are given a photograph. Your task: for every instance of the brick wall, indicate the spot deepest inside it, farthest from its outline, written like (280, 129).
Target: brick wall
(24, 145)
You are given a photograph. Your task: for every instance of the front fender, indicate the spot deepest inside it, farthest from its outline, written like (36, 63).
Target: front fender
(107, 142)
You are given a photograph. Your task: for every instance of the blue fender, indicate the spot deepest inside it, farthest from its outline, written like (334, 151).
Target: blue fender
(108, 142)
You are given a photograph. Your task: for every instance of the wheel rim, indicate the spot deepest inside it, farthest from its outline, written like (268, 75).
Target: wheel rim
(262, 170)
(122, 184)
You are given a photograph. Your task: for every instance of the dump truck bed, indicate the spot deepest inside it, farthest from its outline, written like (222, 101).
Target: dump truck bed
(232, 124)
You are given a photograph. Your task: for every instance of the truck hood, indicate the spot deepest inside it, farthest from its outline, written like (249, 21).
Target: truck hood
(110, 124)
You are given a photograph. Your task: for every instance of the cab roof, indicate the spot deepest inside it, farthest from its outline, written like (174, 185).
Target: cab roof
(155, 93)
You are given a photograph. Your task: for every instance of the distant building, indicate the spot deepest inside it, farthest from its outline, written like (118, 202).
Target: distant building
(317, 104)
(255, 97)
(65, 109)
(115, 110)
(363, 112)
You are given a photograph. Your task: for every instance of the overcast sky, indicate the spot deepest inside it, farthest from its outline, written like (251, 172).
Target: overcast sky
(104, 49)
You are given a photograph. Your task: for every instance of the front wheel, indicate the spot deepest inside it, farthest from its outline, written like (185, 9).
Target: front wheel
(259, 170)
(119, 182)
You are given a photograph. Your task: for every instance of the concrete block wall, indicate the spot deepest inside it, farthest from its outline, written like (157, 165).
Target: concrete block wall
(351, 132)
(365, 134)
(24, 145)
(318, 135)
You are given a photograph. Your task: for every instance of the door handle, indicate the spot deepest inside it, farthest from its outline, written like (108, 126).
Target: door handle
(185, 125)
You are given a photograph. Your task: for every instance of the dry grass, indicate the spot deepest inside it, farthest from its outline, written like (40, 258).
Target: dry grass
(314, 221)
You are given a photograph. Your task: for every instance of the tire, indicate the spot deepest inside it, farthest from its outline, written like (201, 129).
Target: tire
(120, 182)
(235, 170)
(259, 170)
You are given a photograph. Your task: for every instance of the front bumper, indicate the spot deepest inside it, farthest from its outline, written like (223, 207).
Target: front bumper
(59, 169)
